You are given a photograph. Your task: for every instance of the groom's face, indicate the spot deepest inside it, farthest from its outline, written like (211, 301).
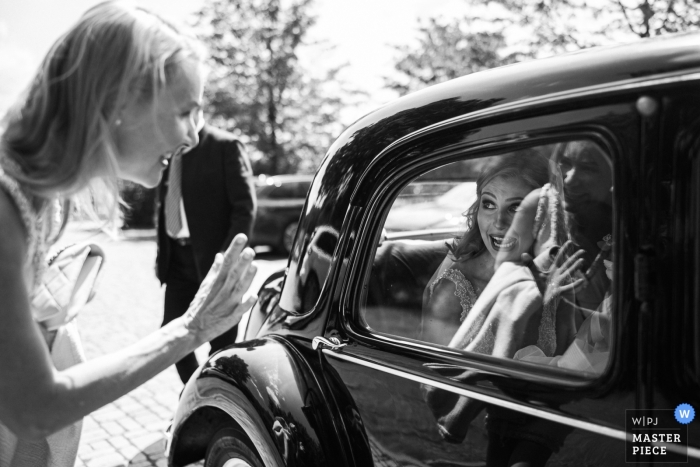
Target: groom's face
(587, 178)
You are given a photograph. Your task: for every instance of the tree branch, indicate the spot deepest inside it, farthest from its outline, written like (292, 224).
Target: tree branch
(623, 10)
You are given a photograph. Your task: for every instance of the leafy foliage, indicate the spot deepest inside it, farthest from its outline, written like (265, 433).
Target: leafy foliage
(446, 50)
(504, 31)
(554, 26)
(286, 115)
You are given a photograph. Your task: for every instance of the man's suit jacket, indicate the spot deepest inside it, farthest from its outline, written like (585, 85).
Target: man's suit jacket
(219, 198)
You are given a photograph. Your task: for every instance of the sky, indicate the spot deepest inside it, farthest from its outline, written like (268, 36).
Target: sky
(361, 31)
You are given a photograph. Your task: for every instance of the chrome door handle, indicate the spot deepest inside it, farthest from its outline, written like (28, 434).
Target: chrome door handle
(332, 343)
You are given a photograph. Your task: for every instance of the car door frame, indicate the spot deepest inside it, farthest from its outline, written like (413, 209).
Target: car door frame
(369, 349)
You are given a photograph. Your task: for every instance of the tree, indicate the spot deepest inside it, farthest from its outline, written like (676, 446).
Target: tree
(549, 27)
(257, 89)
(505, 31)
(446, 50)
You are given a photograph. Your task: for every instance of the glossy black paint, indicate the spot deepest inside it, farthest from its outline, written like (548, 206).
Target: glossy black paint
(287, 394)
(592, 93)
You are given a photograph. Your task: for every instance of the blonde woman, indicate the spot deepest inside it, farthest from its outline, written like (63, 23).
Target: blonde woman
(115, 98)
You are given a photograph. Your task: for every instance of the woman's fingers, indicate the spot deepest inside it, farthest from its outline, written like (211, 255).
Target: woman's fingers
(241, 286)
(562, 253)
(228, 279)
(216, 266)
(237, 271)
(575, 285)
(234, 250)
(573, 264)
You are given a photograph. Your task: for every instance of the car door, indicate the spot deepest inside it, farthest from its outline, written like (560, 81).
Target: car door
(673, 261)
(425, 401)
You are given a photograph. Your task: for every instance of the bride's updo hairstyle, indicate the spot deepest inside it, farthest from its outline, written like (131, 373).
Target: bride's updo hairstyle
(58, 136)
(527, 166)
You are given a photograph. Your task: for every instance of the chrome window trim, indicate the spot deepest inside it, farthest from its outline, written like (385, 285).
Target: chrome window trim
(572, 422)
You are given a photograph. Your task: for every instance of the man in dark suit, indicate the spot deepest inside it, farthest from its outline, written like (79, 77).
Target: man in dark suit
(206, 197)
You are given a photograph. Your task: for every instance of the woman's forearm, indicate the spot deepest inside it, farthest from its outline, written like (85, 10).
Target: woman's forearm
(85, 388)
(36, 399)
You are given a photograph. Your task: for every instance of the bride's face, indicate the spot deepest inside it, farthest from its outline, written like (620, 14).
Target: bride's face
(151, 132)
(500, 199)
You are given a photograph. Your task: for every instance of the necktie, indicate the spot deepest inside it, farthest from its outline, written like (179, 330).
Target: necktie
(173, 223)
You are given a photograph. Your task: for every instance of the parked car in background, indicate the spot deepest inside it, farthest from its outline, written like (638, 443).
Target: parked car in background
(443, 211)
(339, 371)
(280, 201)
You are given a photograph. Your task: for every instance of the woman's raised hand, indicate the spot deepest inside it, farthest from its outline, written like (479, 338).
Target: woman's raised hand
(220, 303)
(566, 275)
(560, 275)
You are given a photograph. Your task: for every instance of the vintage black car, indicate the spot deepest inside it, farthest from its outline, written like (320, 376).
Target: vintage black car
(349, 369)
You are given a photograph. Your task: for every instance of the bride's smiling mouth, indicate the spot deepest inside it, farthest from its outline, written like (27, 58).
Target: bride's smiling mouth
(500, 243)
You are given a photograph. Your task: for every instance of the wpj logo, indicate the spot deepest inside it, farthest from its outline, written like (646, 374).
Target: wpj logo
(684, 413)
(658, 435)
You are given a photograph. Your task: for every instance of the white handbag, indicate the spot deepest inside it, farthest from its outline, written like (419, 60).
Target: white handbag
(67, 284)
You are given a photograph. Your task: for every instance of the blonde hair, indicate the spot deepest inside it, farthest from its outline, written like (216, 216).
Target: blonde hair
(59, 134)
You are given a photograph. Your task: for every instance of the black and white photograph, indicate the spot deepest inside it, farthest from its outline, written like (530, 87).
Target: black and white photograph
(370, 233)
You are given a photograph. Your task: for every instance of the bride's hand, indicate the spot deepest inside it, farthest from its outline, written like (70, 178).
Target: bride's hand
(562, 275)
(219, 303)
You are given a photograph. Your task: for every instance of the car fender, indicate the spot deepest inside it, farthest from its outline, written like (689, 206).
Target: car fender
(264, 388)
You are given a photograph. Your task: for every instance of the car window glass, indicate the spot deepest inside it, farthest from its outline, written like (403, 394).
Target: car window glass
(507, 255)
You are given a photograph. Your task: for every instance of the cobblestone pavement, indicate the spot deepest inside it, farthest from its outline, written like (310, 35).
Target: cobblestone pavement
(128, 305)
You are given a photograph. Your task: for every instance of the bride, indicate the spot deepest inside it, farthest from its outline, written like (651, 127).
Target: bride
(470, 263)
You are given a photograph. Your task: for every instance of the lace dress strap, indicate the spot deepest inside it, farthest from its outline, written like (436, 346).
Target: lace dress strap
(38, 224)
(12, 188)
(464, 290)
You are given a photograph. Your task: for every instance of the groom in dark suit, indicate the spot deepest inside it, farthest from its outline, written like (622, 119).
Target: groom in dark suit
(206, 197)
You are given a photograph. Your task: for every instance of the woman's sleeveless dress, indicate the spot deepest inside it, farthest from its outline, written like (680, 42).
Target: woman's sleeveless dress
(59, 449)
(464, 291)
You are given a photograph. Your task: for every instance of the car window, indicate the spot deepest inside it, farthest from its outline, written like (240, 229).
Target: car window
(508, 255)
(436, 209)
